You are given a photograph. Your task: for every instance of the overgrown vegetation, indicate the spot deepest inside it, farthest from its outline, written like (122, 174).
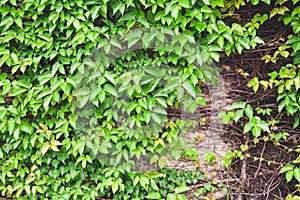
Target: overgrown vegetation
(85, 92)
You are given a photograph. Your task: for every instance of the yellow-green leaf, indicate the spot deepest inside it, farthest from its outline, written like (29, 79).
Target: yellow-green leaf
(45, 147)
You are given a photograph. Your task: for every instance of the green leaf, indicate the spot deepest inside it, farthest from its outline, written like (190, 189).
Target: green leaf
(263, 125)
(201, 101)
(80, 146)
(228, 37)
(273, 75)
(19, 22)
(110, 77)
(210, 157)
(226, 162)
(12, 109)
(190, 104)
(176, 153)
(284, 54)
(245, 42)
(258, 40)
(296, 46)
(237, 105)
(248, 127)
(293, 40)
(238, 115)
(95, 11)
(132, 41)
(238, 47)
(184, 3)
(297, 82)
(154, 159)
(2, 112)
(153, 184)
(219, 3)
(78, 38)
(289, 176)
(156, 118)
(207, 2)
(6, 87)
(244, 148)
(297, 174)
(142, 20)
(181, 197)
(147, 38)
(221, 42)
(115, 187)
(162, 162)
(153, 195)
(171, 197)
(211, 38)
(174, 12)
(280, 90)
(161, 101)
(44, 93)
(266, 1)
(144, 181)
(110, 89)
(206, 9)
(181, 189)
(172, 84)
(255, 2)
(4, 52)
(228, 117)
(7, 21)
(55, 142)
(45, 147)
(295, 124)
(189, 88)
(47, 101)
(26, 128)
(17, 91)
(249, 111)
(159, 110)
(254, 83)
(256, 131)
(169, 7)
(215, 56)
(46, 37)
(76, 24)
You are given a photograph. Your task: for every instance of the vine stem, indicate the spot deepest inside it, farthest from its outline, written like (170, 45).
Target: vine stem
(260, 161)
(243, 175)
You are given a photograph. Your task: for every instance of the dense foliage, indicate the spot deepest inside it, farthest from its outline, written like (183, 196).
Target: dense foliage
(80, 81)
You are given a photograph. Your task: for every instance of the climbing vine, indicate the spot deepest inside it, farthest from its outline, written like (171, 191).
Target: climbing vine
(86, 88)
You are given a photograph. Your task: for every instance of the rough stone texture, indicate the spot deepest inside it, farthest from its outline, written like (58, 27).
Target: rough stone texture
(211, 138)
(204, 140)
